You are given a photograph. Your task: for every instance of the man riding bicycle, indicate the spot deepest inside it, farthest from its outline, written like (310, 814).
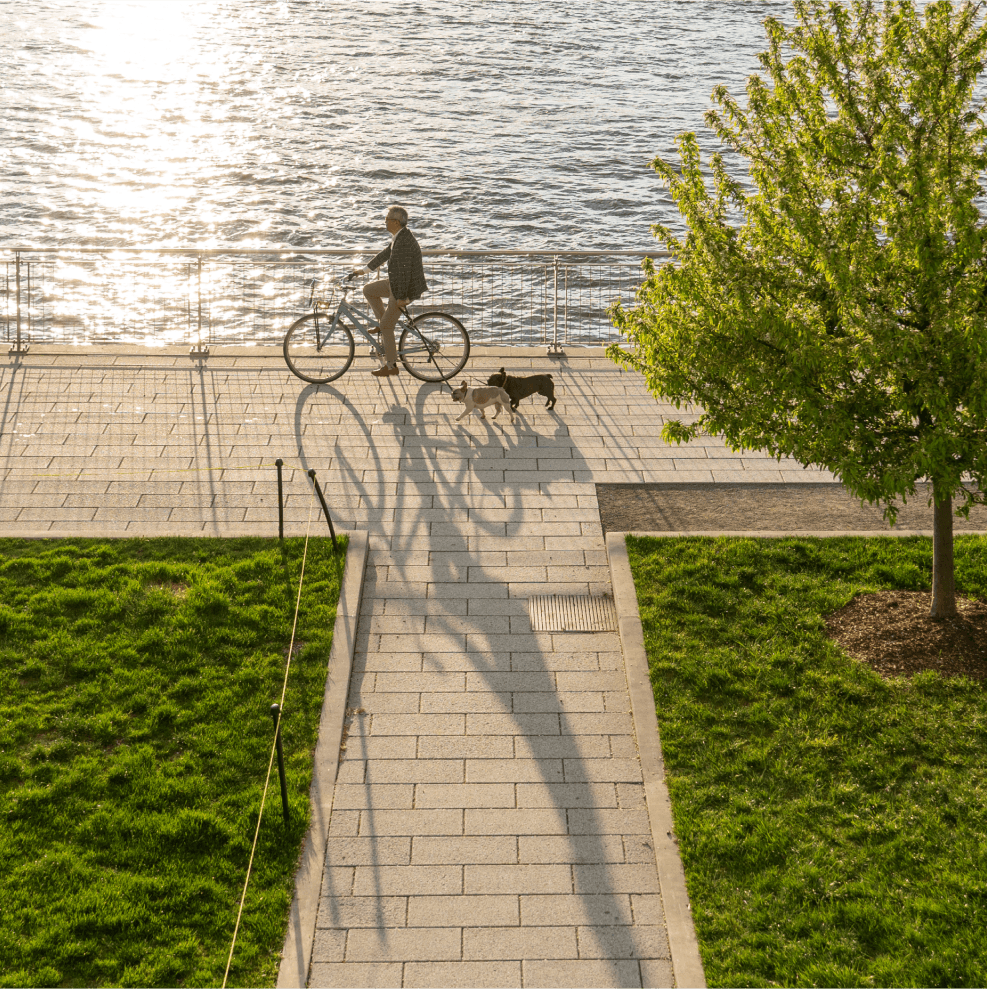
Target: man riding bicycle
(405, 283)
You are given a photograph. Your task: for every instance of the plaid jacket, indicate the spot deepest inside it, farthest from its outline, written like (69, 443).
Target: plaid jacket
(405, 270)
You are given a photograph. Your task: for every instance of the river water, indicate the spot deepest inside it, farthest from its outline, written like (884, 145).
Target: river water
(253, 123)
(258, 124)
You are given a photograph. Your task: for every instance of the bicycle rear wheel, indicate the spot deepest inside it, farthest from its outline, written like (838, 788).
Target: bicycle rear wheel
(316, 350)
(436, 349)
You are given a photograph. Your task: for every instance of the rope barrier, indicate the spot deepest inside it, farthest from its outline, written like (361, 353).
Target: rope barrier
(270, 761)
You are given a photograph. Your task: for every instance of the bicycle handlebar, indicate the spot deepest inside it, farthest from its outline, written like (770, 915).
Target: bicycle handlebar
(343, 282)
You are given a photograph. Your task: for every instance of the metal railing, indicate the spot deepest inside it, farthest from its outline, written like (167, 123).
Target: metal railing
(158, 296)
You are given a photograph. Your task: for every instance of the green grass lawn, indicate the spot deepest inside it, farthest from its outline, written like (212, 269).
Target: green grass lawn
(832, 823)
(136, 679)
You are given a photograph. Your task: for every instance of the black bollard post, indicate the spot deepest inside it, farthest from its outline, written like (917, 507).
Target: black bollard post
(325, 508)
(279, 463)
(275, 714)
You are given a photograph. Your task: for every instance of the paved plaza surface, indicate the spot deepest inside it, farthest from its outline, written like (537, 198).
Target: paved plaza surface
(489, 825)
(811, 506)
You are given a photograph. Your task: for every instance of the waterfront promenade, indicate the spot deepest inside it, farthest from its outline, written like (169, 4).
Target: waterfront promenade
(489, 824)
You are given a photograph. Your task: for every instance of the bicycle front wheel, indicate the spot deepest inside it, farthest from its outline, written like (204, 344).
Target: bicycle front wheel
(316, 350)
(436, 349)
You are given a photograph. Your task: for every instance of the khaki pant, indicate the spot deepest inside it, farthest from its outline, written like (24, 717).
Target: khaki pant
(375, 293)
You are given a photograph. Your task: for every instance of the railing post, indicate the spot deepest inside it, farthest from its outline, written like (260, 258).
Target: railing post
(279, 463)
(554, 348)
(199, 350)
(18, 348)
(276, 715)
(325, 508)
(565, 298)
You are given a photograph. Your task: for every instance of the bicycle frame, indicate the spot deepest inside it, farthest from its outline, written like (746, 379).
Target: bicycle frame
(359, 323)
(436, 348)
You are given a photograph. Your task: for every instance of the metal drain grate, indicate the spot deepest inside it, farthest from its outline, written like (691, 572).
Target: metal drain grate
(571, 613)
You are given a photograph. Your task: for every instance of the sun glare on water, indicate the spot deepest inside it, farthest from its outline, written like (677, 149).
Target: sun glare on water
(158, 113)
(155, 116)
(146, 39)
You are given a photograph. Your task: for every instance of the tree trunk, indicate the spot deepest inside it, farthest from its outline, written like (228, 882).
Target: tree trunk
(943, 586)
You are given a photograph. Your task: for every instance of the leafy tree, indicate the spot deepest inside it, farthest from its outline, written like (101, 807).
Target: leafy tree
(833, 310)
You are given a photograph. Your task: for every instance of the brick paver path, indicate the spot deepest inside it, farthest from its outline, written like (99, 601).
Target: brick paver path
(489, 824)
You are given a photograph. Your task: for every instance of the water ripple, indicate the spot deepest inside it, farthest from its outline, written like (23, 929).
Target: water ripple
(502, 124)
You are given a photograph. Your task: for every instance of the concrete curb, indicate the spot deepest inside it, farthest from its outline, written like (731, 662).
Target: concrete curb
(687, 964)
(158, 530)
(296, 955)
(812, 533)
(297, 529)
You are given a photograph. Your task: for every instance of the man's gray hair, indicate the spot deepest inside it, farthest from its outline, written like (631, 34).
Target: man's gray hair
(398, 213)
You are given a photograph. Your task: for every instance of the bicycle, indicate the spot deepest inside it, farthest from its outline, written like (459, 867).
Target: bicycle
(319, 347)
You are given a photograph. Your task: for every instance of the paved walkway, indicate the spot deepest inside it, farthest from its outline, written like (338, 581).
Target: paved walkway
(817, 507)
(489, 824)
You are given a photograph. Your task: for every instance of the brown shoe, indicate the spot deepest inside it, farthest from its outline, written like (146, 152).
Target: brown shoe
(384, 372)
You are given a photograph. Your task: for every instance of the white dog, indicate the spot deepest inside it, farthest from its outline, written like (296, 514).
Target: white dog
(480, 398)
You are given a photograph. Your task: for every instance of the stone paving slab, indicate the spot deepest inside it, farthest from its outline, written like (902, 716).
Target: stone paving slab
(488, 821)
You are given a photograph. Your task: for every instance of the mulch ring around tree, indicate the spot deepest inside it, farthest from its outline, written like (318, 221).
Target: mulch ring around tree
(893, 633)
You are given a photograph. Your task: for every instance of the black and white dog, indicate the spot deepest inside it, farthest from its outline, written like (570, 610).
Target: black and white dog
(480, 398)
